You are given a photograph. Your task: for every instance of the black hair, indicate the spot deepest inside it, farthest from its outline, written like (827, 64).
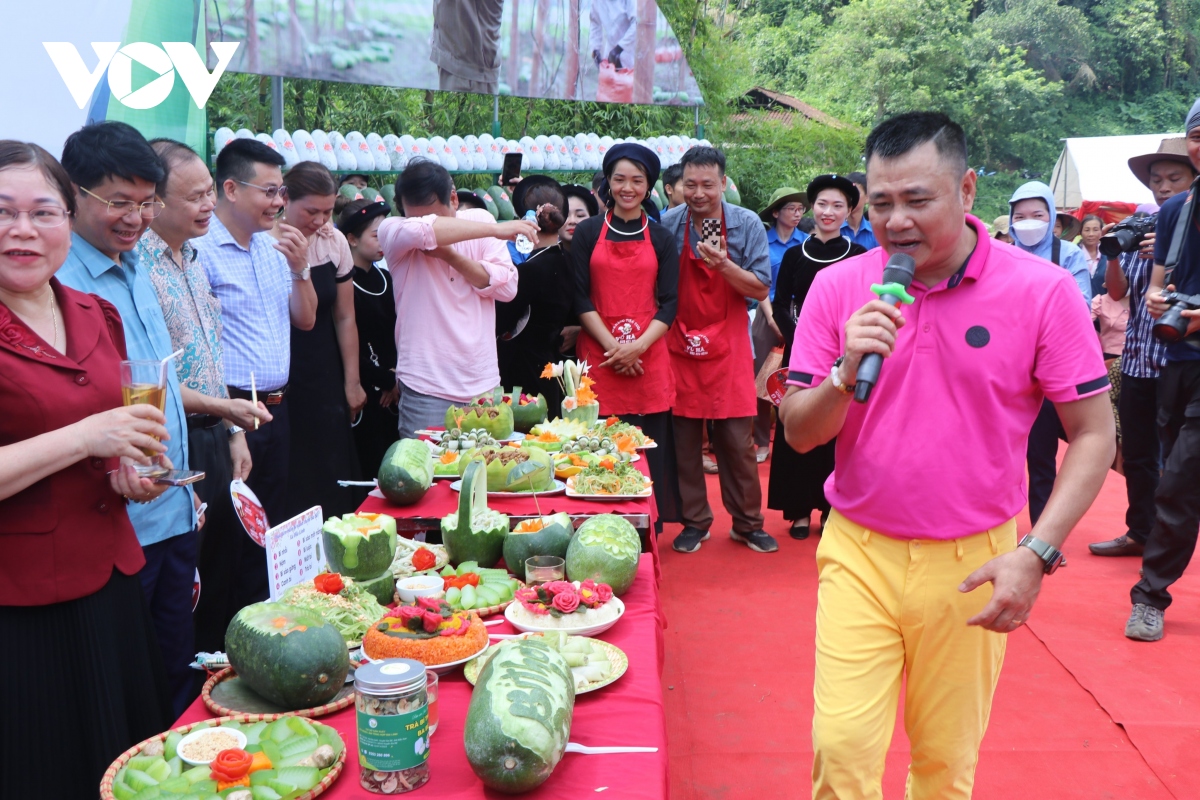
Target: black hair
(356, 215)
(894, 137)
(15, 155)
(587, 198)
(468, 199)
(597, 179)
(171, 154)
(309, 178)
(703, 157)
(110, 150)
(424, 182)
(858, 179)
(553, 218)
(807, 224)
(672, 174)
(237, 159)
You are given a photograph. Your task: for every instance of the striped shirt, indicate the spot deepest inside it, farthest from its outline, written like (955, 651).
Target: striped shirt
(254, 287)
(1144, 355)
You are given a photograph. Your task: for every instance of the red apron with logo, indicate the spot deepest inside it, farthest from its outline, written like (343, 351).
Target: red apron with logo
(624, 278)
(710, 342)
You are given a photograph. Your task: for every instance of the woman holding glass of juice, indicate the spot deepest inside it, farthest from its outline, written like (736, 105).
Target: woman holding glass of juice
(69, 594)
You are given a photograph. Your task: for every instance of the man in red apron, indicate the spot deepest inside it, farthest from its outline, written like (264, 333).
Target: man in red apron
(724, 262)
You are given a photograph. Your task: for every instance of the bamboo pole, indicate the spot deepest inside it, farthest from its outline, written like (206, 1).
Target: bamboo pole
(514, 47)
(643, 60)
(572, 50)
(539, 41)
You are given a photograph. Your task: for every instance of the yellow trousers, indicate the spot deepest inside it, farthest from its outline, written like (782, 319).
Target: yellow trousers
(889, 609)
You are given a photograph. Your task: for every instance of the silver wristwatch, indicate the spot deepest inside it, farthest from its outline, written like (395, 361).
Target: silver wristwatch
(234, 429)
(303, 275)
(1051, 556)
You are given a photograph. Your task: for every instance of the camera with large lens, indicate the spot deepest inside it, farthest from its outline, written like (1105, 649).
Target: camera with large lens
(1128, 234)
(1172, 326)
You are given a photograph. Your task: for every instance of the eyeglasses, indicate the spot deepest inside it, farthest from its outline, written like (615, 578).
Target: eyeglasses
(269, 191)
(794, 208)
(41, 217)
(122, 208)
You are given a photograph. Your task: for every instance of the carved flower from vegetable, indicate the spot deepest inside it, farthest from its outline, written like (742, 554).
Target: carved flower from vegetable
(431, 620)
(566, 602)
(604, 592)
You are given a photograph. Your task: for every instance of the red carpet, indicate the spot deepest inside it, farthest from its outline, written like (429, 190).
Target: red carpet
(1080, 712)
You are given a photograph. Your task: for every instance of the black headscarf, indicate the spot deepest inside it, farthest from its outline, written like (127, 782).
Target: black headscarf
(640, 155)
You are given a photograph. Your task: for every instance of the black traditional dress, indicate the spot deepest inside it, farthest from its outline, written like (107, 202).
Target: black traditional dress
(797, 481)
(375, 315)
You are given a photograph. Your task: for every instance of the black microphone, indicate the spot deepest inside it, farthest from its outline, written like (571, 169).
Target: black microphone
(897, 277)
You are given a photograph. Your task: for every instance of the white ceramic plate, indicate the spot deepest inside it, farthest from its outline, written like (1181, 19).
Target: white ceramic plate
(200, 734)
(585, 630)
(559, 488)
(616, 657)
(611, 498)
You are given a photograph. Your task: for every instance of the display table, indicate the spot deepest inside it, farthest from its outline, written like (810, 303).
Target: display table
(440, 500)
(629, 712)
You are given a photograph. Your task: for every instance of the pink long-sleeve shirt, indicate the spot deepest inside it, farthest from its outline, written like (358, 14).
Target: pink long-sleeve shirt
(445, 327)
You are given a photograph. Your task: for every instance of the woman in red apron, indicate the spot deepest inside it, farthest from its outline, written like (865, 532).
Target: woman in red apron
(626, 277)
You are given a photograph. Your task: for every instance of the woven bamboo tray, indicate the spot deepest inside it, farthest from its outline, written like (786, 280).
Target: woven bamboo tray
(110, 775)
(254, 708)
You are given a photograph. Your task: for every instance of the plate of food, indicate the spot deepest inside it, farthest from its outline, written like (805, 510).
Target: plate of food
(338, 600)
(584, 608)
(559, 488)
(292, 757)
(409, 560)
(429, 631)
(626, 435)
(609, 482)
(594, 663)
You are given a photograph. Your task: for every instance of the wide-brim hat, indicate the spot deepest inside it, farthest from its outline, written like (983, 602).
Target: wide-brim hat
(832, 181)
(528, 182)
(1072, 225)
(1173, 148)
(1000, 225)
(780, 198)
(584, 194)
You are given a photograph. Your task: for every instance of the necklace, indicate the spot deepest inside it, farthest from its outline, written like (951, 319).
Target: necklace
(804, 249)
(381, 291)
(638, 232)
(54, 320)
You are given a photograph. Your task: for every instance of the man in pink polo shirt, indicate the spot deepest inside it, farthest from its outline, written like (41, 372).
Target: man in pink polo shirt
(449, 268)
(930, 470)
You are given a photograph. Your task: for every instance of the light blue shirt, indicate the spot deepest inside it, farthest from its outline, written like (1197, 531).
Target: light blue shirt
(864, 236)
(778, 249)
(128, 287)
(254, 287)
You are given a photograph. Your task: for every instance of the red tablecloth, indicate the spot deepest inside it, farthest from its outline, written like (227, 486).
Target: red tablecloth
(440, 500)
(629, 712)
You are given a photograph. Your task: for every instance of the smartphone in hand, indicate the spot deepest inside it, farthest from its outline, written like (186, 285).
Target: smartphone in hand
(710, 232)
(512, 169)
(180, 477)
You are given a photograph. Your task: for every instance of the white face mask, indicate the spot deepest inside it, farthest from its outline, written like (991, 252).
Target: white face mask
(1030, 232)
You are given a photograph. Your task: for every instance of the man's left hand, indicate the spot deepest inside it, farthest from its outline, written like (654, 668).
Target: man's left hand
(294, 246)
(1016, 579)
(714, 257)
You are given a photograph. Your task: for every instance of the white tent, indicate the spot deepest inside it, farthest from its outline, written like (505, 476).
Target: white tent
(1095, 168)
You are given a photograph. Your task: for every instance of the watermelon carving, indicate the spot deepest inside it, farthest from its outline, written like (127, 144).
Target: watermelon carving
(360, 546)
(503, 474)
(289, 656)
(525, 415)
(606, 549)
(474, 532)
(541, 536)
(496, 419)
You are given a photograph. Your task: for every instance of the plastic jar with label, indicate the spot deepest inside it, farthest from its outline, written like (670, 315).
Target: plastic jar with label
(393, 726)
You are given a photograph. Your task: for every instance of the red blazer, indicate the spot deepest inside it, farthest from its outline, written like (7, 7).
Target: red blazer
(61, 538)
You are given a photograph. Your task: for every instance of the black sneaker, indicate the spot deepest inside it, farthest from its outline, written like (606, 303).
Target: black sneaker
(799, 529)
(758, 541)
(688, 540)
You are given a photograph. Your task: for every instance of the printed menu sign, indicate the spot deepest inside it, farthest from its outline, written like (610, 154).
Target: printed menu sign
(294, 551)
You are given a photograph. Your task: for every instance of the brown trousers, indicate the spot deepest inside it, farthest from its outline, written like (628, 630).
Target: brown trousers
(741, 493)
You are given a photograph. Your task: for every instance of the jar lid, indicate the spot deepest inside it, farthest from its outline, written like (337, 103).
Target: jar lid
(392, 675)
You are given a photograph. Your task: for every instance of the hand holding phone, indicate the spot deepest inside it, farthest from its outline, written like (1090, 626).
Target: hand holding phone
(511, 172)
(180, 477)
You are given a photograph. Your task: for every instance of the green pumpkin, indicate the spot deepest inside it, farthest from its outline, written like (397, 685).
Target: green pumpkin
(552, 540)
(497, 420)
(519, 720)
(528, 415)
(474, 532)
(606, 549)
(406, 472)
(502, 462)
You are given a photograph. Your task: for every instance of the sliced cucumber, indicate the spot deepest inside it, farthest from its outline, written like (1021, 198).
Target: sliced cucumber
(176, 765)
(262, 777)
(299, 745)
(303, 778)
(176, 785)
(149, 793)
(160, 770)
(264, 793)
(171, 745)
(300, 726)
(122, 791)
(254, 732)
(138, 780)
(284, 789)
(278, 731)
(197, 774)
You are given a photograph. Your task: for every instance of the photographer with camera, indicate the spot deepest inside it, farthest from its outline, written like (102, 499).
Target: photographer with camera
(1166, 173)
(1177, 321)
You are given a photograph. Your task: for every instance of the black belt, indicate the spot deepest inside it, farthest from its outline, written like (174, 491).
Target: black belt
(271, 398)
(205, 421)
